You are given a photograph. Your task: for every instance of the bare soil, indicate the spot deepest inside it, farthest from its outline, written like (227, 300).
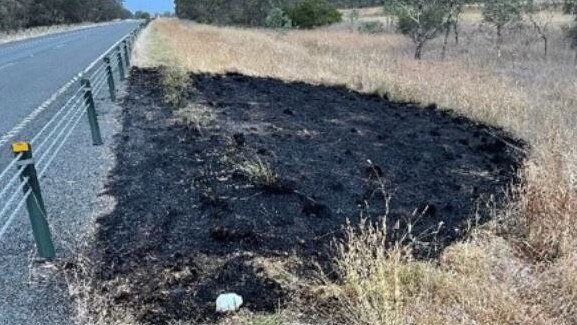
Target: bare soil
(189, 225)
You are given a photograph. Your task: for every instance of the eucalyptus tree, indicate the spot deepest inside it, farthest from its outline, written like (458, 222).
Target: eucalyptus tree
(422, 20)
(501, 13)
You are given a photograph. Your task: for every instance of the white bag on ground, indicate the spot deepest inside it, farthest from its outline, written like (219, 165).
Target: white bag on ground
(228, 302)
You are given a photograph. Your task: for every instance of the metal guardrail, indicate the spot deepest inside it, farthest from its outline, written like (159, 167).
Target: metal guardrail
(19, 180)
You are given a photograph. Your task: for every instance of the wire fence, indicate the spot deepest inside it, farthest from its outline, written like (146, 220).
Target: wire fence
(19, 180)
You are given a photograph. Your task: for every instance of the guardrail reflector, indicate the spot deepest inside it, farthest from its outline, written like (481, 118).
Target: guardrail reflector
(20, 147)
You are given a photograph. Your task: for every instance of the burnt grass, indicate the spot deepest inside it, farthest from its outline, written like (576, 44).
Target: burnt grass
(189, 226)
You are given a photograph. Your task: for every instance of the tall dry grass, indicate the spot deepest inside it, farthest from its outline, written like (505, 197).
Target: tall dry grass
(517, 270)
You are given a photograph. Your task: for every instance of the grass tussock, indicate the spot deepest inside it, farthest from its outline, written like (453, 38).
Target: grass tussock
(518, 270)
(548, 205)
(259, 172)
(175, 82)
(198, 117)
(383, 284)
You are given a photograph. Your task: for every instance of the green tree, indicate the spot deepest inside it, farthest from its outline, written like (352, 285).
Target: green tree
(570, 6)
(540, 14)
(227, 12)
(313, 13)
(141, 15)
(454, 11)
(501, 13)
(46, 12)
(278, 19)
(13, 14)
(16, 14)
(422, 20)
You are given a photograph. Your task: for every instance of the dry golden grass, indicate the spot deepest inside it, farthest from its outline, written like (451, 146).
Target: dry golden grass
(521, 268)
(475, 282)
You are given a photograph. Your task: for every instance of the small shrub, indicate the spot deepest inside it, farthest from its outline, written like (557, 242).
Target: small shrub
(371, 27)
(259, 172)
(314, 13)
(377, 279)
(198, 117)
(278, 19)
(174, 82)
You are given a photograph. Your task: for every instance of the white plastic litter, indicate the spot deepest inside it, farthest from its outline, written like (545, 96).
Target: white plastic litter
(228, 302)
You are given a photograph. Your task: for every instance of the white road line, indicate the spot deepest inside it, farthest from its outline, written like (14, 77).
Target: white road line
(7, 65)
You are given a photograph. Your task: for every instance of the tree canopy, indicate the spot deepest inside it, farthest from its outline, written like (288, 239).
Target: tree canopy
(16, 14)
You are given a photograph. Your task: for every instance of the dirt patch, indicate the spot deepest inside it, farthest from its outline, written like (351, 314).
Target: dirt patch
(277, 177)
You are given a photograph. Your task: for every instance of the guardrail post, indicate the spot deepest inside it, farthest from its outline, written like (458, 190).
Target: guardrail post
(120, 64)
(110, 77)
(34, 202)
(126, 53)
(91, 112)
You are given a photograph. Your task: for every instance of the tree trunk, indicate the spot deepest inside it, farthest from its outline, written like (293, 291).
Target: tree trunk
(419, 50)
(456, 30)
(499, 39)
(445, 42)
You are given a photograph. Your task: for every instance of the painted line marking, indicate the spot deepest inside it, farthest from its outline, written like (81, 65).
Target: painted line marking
(7, 65)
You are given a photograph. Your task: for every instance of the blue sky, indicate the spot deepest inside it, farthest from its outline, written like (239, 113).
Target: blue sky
(152, 6)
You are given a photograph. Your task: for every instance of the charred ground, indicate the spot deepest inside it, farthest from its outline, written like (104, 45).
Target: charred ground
(190, 224)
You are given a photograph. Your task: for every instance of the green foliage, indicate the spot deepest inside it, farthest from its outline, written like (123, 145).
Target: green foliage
(15, 14)
(391, 7)
(371, 27)
(313, 13)
(278, 19)
(502, 12)
(570, 7)
(226, 12)
(422, 22)
(356, 3)
(141, 15)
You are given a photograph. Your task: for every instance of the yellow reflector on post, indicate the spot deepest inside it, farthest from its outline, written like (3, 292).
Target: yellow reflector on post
(20, 147)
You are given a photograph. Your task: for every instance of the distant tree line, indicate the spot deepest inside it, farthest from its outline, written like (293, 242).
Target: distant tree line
(356, 3)
(424, 20)
(17, 14)
(226, 12)
(301, 13)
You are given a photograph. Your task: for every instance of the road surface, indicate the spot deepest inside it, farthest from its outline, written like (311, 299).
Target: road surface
(32, 70)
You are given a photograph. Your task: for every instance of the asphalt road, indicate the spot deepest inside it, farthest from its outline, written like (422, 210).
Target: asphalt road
(32, 70)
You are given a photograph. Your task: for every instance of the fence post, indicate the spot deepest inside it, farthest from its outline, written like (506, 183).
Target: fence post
(91, 112)
(126, 54)
(110, 77)
(34, 202)
(120, 64)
